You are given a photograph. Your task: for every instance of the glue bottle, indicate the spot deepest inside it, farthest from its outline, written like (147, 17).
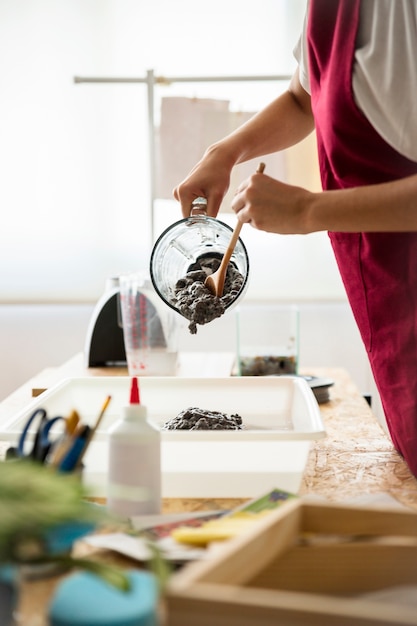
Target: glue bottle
(134, 474)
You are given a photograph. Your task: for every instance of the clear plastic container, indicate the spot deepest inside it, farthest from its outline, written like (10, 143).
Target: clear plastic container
(150, 330)
(267, 340)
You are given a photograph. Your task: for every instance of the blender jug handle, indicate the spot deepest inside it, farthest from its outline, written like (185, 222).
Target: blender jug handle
(199, 206)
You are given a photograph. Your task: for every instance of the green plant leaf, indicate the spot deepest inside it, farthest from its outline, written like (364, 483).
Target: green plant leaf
(34, 499)
(111, 574)
(158, 564)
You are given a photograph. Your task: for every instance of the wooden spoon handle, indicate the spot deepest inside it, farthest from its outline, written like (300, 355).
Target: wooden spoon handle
(232, 244)
(235, 236)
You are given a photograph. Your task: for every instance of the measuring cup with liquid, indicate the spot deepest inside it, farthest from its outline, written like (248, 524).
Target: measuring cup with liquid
(150, 331)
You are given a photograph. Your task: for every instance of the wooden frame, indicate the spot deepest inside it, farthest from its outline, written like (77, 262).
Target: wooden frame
(305, 564)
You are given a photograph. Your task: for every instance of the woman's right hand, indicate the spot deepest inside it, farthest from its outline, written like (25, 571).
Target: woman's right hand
(210, 179)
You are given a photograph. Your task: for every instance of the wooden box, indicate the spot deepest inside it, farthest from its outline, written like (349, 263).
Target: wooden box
(305, 564)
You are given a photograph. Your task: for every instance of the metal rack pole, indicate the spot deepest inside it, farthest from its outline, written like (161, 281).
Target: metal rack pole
(150, 80)
(167, 80)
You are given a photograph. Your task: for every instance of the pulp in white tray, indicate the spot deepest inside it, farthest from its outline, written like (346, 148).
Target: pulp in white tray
(280, 415)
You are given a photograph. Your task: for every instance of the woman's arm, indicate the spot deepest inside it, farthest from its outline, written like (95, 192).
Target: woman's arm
(283, 123)
(279, 208)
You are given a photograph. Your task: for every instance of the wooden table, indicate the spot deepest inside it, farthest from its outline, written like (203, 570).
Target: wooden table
(356, 458)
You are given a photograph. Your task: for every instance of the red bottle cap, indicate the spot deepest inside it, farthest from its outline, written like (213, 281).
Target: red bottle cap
(134, 391)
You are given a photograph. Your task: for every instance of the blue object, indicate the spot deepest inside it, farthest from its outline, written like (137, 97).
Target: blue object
(42, 443)
(8, 593)
(70, 460)
(59, 539)
(83, 599)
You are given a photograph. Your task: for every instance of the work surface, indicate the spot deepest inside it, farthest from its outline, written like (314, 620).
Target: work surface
(355, 459)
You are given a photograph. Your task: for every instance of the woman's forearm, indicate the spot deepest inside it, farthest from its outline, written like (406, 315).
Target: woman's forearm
(283, 123)
(374, 208)
(280, 125)
(276, 207)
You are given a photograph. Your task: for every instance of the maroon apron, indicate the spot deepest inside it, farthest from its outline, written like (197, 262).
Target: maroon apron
(379, 270)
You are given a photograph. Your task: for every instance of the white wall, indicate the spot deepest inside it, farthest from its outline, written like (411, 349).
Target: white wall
(37, 336)
(74, 158)
(34, 337)
(75, 170)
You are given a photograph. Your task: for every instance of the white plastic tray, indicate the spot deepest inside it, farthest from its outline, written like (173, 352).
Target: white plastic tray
(280, 414)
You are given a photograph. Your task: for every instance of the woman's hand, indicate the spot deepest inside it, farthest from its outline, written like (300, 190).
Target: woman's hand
(272, 206)
(262, 134)
(275, 207)
(210, 178)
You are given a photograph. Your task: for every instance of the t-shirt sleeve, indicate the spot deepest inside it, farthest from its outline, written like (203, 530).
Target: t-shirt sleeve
(301, 55)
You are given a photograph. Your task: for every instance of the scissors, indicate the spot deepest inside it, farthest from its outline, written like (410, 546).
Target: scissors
(43, 442)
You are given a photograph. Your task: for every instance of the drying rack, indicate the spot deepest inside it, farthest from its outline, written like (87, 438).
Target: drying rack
(151, 80)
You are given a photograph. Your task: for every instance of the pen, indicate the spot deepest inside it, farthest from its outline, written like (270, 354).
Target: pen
(71, 458)
(65, 443)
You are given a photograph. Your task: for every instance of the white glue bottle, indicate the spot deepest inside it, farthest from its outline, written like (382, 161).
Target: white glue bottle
(134, 474)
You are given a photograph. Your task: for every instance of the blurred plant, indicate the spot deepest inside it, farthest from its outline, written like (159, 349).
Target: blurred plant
(35, 501)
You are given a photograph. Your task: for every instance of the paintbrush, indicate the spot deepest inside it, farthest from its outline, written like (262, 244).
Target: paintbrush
(92, 431)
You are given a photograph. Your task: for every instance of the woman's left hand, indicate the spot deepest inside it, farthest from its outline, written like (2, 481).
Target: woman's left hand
(270, 205)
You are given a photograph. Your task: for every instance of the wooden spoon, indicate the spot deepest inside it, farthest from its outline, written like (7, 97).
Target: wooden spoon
(215, 282)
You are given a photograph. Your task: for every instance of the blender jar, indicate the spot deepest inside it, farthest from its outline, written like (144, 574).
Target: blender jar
(184, 244)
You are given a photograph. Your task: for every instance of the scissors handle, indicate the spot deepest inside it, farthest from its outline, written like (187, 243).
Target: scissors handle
(23, 436)
(45, 442)
(42, 442)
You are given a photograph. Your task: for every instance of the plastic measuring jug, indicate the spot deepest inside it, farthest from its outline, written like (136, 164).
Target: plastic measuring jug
(150, 331)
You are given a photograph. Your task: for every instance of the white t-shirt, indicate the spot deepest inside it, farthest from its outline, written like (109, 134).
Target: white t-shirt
(385, 70)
